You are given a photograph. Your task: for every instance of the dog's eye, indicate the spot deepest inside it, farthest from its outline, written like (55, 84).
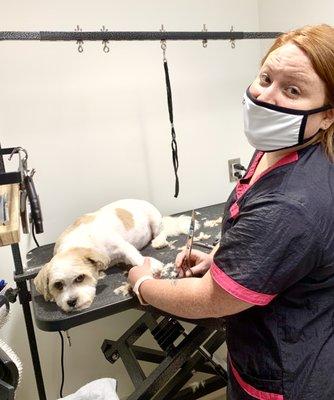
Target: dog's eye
(79, 278)
(58, 285)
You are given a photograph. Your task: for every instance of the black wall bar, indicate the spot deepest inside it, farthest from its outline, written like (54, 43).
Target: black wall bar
(105, 35)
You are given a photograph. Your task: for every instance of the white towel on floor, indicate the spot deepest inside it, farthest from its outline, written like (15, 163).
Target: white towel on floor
(101, 389)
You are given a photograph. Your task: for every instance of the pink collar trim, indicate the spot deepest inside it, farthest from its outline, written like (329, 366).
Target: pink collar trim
(242, 188)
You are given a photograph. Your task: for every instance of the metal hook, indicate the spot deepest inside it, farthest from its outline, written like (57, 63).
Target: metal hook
(23, 161)
(163, 44)
(232, 41)
(79, 42)
(204, 41)
(105, 43)
(17, 150)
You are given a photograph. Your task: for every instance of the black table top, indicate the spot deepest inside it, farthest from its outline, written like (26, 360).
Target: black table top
(49, 317)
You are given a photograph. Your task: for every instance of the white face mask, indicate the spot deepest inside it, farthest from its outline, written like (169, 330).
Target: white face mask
(269, 127)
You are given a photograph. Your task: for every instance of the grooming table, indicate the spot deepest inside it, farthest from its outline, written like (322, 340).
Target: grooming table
(176, 363)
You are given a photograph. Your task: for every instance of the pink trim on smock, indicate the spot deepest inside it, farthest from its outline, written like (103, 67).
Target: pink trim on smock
(234, 210)
(237, 290)
(242, 186)
(251, 390)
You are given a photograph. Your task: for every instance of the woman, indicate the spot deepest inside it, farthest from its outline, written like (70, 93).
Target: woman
(273, 273)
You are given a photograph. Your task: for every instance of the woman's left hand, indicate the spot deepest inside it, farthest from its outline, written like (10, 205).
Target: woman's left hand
(137, 271)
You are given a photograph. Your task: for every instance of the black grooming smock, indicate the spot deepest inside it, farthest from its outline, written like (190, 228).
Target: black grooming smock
(277, 253)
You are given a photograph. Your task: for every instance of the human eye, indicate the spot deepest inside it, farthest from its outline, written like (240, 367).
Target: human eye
(264, 78)
(293, 91)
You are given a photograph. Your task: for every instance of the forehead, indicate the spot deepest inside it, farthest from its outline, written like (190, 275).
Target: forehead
(290, 61)
(67, 269)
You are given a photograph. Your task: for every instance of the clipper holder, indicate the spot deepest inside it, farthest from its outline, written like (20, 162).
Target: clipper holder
(182, 355)
(9, 183)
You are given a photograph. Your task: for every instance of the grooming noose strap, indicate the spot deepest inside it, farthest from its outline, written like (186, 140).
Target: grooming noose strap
(173, 143)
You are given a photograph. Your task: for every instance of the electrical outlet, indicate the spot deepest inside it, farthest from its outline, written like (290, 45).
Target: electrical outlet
(232, 170)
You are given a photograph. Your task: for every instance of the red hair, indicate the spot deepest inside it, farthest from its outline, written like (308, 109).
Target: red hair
(317, 42)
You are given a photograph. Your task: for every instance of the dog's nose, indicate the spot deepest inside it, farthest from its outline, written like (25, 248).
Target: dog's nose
(72, 302)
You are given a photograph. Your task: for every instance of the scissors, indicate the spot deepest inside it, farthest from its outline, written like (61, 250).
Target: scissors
(185, 266)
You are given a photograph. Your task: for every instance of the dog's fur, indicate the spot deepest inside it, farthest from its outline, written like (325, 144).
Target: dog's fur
(98, 240)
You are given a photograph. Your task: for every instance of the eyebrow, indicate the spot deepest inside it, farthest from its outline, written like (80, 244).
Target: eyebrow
(298, 76)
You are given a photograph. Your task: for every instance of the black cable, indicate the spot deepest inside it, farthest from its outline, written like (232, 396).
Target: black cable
(239, 167)
(62, 365)
(33, 233)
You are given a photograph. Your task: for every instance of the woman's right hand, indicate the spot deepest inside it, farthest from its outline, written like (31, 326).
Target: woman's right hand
(199, 261)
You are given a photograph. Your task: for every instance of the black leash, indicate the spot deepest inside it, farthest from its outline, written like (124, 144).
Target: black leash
(171, 119)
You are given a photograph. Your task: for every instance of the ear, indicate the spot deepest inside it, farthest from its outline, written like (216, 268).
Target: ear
(99, 261)
(328, 119)
(42, 282)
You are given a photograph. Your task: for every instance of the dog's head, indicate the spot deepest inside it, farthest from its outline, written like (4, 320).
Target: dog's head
(70, 278)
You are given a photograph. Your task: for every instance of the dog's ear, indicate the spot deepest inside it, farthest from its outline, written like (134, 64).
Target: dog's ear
(99, 261)
(42, 282)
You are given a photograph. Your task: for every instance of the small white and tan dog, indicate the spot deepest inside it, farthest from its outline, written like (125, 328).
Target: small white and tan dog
(98, 240)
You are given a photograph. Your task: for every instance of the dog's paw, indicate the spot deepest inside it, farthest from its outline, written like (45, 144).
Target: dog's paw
(161, 271)
(160, 241)
(156, 267)
(124, 289)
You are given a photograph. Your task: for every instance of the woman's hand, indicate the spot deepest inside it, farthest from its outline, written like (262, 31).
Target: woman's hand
(199, 261)
(138, 271)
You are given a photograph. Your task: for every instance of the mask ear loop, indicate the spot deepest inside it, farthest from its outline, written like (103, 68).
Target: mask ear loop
(302, 130)
(170, 110)
(304, 122)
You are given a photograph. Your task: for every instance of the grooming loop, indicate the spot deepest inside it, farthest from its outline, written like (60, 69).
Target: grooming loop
(79, 42)
(105, 43)
(171, 117)
(204, 41)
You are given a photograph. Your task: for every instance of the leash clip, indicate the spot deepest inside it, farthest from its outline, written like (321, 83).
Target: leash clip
(163, 44)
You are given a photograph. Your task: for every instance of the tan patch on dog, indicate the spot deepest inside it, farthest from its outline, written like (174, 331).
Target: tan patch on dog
(86, 257)
(85, 219)
(126, 217)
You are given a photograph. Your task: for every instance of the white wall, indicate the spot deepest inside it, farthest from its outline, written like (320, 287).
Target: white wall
(285, 15)
(96, 128)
